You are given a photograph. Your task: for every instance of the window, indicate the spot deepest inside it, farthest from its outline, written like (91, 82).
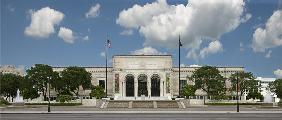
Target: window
(102, 83)
(182, 84)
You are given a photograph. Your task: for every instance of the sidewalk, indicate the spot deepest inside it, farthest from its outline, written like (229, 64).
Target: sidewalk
(101, 112)
(84, 109)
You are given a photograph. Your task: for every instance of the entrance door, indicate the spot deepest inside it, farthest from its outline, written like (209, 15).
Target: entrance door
(142, 85)
(155, 85)
(129, 85)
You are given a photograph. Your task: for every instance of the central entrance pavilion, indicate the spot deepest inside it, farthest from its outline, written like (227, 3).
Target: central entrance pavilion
(149, 77)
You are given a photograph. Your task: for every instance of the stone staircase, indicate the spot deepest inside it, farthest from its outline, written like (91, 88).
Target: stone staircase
(143, 104)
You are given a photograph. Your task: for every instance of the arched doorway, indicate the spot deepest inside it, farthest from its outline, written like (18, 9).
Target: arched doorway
(129, 85)
(155, 85)
(142, 85)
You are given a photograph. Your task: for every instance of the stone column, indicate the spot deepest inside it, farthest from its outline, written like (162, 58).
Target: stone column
(135, 86)
(149, 86)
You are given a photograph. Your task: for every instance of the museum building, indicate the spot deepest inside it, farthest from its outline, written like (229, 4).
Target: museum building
(150, 76)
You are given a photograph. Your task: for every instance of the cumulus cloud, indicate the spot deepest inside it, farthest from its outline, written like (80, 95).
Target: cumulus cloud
(270, 36)
(127, 32)
(86, 38)
(214, 47)
(242, 47)
(278, 73)
(43, 22)
(147, 51)
(198, 21)
(93, 12)
(246, 18)
(66, 34)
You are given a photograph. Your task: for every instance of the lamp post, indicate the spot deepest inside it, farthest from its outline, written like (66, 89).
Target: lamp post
(49, 110)
(179, 45)
(237, 94)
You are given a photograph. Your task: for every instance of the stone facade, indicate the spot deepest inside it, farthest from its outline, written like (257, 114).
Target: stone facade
(149, 76)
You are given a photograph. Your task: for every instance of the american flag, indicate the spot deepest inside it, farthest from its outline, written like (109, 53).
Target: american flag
(109, 44)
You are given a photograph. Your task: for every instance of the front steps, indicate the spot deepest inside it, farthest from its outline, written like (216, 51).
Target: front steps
(143, 104)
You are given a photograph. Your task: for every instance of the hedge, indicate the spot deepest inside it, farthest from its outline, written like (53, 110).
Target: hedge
(55, 104)
(233, 103)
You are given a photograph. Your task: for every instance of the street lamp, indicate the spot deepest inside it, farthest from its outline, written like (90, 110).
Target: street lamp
(49, 110)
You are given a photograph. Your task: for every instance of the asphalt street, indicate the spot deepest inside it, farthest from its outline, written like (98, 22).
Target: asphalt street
(143, 116)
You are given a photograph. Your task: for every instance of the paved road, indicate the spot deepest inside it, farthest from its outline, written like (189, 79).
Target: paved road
(144, 116)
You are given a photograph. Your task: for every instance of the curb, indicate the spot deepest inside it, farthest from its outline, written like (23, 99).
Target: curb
(133, 112)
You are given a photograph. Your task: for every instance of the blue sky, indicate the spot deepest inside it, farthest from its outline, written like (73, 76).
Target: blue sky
(223, 39)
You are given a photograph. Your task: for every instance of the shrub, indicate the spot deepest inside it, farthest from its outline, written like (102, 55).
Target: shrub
(55, 104)
(64, 98)
(172, 98)
(111, 98)
(4, 102)
(218, 103)
(97, 92)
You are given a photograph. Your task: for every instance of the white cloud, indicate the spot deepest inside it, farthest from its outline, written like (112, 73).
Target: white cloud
(127, 32)
(246, 18)
(66, 34)
(278, 73)
(268, 54)
(270, 36)
(242, 47)
(93, 11)
(195, 22)
(43, 22)
(86, 38)
(147, 51)
(182, 65)
(214, 47)
(103, 54)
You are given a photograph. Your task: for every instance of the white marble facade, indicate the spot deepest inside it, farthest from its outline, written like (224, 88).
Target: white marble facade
(157, 76)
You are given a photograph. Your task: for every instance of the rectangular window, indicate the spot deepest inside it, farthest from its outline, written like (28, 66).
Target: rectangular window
(167, 83)
(182, 84)
(102, 83)
(116, 83)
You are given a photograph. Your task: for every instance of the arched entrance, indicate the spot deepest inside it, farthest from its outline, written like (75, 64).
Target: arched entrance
(129, 85)
(142, 85)
(155, 85)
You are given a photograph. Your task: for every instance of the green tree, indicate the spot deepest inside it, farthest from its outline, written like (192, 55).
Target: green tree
(75, 77)
(189, 90)
(28, 91)
(10, 84)
(246, 83)
(40, 75)
(242, 81)
(208, 79)
(97, 92)
(276, 87)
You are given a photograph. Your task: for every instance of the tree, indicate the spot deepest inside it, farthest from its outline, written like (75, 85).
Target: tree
(208, 79)
(39, 76)
(188, 90)
(75, 77)
(28, 91)
(97, 92)
(10, 85)
(242, 81)
(247, 83)
(276, 87)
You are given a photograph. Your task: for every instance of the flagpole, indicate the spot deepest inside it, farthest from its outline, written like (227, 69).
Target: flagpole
(106, 52)
(179, 65)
